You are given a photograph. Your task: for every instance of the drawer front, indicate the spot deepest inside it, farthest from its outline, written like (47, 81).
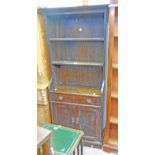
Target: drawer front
(58, 97)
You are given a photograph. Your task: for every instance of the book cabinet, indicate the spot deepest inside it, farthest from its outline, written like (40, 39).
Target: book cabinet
(78, 46)
(111, 130)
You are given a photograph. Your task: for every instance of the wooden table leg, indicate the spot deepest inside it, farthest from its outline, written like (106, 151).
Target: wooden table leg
(38, 151)
(46, 148)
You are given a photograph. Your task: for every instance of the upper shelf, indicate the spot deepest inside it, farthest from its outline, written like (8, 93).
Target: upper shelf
(77, 63)
(76, 39)
(78, 10)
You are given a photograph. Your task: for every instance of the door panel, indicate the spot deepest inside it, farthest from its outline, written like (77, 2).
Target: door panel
(64, 115)
(90, 122)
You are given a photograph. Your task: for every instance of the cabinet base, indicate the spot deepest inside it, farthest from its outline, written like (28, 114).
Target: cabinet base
(93, 144)
(109, 148)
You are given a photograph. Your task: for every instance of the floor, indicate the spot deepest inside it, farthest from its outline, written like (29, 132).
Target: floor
(93, 151)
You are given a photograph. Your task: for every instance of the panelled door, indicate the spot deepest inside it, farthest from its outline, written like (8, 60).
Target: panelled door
(90, 122)
(64, 115)
(84, 118)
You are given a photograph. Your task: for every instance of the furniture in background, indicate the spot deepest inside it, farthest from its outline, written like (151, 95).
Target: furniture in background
(77, 39)
(111, 130)
(43, 63)
(65, 141)
(43, 107)
(43, 141)
(43, 75)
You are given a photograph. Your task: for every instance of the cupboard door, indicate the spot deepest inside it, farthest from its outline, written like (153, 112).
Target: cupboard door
(64, 115)
(90, 122)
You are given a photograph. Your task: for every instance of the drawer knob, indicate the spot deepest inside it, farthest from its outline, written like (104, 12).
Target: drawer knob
(89, 100)
(60, 97)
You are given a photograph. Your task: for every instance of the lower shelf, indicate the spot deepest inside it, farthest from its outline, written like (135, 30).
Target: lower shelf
(93, 144)
(115, 66)
(113, 142)
(112, 145)
(114, 94)
(113, 120)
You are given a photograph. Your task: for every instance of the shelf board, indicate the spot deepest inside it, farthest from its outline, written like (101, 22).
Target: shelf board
(68, 13)
(76, 39)
(115, 66)
(113, 5)
(113, 120)
(78, 90)
(114, 94)
(77, 63)
(113, 142)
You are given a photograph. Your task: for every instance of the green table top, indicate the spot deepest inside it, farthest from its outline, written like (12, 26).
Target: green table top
(63, 140)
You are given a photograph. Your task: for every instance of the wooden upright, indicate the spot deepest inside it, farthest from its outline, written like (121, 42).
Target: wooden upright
(43, 140)
(43, 75)
(111, 130)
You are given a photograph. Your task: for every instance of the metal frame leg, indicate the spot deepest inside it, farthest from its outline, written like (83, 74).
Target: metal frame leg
(74, 153)
(78, 150)
(81, 147)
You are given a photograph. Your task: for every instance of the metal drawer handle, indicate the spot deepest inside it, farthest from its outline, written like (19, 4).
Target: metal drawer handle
(89, 100)
(60, 97)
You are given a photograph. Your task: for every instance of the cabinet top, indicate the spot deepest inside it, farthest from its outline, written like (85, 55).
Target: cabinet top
(76, 90)
(93, 9)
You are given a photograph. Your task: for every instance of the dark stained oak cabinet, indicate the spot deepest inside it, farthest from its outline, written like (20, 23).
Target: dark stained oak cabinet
(90, 122)
(84, 118)
(77, 40)
(64, 115)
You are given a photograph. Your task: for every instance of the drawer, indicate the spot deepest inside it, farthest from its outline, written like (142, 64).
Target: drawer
(81, 99)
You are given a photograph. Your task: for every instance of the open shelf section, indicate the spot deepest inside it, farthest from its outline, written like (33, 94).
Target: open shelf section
(76, 39)
(77, 63)
(113, 120)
